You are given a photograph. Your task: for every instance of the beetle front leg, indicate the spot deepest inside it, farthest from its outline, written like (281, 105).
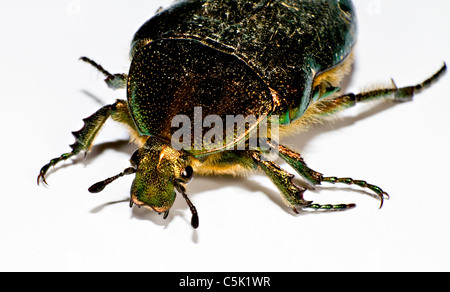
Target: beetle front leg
(92, 125)
(315, 178)
(84, 138)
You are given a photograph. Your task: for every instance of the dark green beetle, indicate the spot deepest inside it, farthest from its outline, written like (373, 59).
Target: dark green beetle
(280, 62)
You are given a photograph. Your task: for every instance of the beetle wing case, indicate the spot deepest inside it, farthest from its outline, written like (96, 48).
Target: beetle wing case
(287, 43)
(180, 77)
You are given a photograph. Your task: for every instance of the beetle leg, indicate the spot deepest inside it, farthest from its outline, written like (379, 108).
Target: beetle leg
(116, 81)
(406, 93)
(283, 181)
(315, 178)
(349, 181)
(296, 161)
(92, 125)
(330, 106)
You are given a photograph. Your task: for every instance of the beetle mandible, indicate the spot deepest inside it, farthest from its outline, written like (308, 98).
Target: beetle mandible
(280, 61)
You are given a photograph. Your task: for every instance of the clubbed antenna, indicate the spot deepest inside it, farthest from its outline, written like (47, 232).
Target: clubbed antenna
(194, 219)
(98, 187)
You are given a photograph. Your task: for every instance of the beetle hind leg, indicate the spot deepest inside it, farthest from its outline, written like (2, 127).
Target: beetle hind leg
(408, 92)
(114, 81)
(329, 106)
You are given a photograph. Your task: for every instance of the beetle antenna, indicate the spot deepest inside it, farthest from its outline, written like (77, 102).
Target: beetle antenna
(98, 187)
(194, 219)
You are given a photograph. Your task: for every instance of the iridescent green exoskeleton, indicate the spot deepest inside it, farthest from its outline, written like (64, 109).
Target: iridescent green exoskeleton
(278, 61)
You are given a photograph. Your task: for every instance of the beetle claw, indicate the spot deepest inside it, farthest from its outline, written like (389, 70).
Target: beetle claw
(166, 214)
(41, 176)
(383, 196)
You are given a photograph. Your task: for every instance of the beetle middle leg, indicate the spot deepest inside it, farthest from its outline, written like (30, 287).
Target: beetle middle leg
(290, 191)
(92, 125)
(315, 178)
(283, 181)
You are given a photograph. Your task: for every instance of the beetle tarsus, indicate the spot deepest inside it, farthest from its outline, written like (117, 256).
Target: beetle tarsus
(316, 178)
(349, 181)
(330, 207)
(408, 92)
(52, 162)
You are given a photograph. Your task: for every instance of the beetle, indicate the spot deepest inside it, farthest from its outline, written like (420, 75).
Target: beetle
(279, 61)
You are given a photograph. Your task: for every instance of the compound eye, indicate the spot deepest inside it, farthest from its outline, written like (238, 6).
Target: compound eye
(186, 174)
(346, 7)
(134, 160)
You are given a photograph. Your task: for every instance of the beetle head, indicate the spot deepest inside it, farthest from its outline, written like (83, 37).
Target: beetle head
(160, 171)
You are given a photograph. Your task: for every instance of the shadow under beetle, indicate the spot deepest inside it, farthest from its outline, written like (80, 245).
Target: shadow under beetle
(283, 60)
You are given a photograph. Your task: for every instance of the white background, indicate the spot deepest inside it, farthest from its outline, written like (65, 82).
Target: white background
(244, 226)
